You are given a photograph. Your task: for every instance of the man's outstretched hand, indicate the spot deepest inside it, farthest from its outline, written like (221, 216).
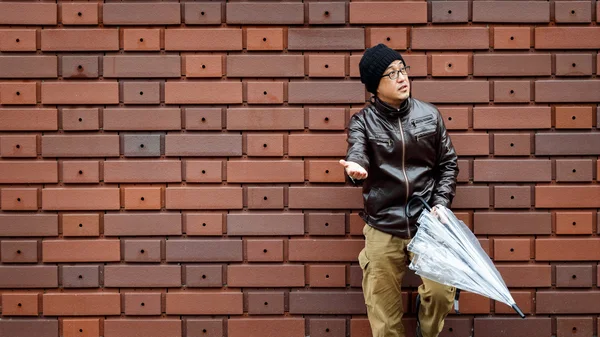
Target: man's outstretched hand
(354, 170)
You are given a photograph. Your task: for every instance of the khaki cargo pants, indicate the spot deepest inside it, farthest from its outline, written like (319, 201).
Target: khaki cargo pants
(383, 261)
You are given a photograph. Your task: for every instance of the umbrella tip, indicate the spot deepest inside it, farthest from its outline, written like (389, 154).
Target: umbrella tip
(516, 308)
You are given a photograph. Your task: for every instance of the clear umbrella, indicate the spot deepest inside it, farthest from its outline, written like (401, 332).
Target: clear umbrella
(446, 251)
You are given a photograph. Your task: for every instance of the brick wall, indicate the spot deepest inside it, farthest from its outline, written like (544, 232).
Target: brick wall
(170, 169)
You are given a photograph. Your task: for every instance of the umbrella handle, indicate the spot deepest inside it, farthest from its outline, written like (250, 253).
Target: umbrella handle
(411, 201)
(516, 308)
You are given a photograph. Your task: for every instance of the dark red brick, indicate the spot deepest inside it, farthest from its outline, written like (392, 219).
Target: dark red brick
(339, 302)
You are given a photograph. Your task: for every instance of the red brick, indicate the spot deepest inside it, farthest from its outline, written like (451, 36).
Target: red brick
(522, 117)
(567, 143)
(265, 303)
(567, 37)
(142, 276)
(17, 40)
(360, 327)
(325, 171)
(450, 12)
(205, 303)
(19, 199)
(266, 145)
(512, 197)
(28, 172)
(203, 197)
(512, 91)
(265, 13)
(265, 198)
(572, 12)
(27, 66)
(80, 146)
(203, 145)
(395, 38)
(455, 118)
(324, 250)
(73, 66)
(505, 11)
(326, 118)
(265, 92)
(262, 224)
(264, 250)
(142, 198)
(141, 13)
(80, 119)
(524, 299)
(574, 223)
(203, 171)
(203, 119)
(143, 327)
(206, 224)
(501, 327)
(574, 170)
(450, 38)
(18, 146)
(317, 302)
(210, 39)
(265, 171)
(320, 65)
(326, 276)
(574, 276)
(265, 65)
(80, 93)
(265, 275)
(573, 117)
(20, 304)
(325, 197)
(204, 276)
(132, 224)
(142, 171)
(203, 66)
(386, 12)
(70, 13)
(264, 39)
(80, 198)
(512, 249)
(326, 13)
(450, 65)
(81, 304)
(574, 326)
(567, 91)
(321, 92)
(80, 172)
(81, 224)
(567, 302)
(512, 64)
(204, 13)
(13, 13)
(80, 39)
(565, 196)
(141, 40)
(315, 145)
(22, 251)
(326, 39)
(326, 224)
(123, 66)
(472, 197)
(18, 93)
(526, 275)
(452, 91)
(512, 38)
(28, 276)
(513, 170)
(512, 223)
(564, 249)
(140, 92)
(141, 251)
(81, 250)
(142, 304)
(203, 92)
(265, 119)
(574, 65)
(262, 327)
(471, 144)
(29, 225)
(141, 119)
(512, 144)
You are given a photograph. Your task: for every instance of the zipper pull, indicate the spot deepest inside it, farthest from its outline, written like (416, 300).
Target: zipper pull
(414, 124)
(390, 142)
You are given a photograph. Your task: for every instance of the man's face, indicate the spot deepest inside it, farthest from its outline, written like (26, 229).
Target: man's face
(397, 90)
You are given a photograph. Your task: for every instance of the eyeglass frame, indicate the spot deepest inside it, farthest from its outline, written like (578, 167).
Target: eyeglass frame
(404, 70)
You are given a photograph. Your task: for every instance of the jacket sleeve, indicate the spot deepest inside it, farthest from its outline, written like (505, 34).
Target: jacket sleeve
(446, 168)
(357, 143)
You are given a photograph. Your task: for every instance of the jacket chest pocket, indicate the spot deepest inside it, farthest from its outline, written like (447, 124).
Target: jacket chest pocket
(381, 140)
(423, 127)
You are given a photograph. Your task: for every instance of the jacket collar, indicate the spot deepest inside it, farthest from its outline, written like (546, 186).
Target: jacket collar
(389, 110)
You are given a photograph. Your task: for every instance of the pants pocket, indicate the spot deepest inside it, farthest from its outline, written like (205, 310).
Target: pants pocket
(363, 260)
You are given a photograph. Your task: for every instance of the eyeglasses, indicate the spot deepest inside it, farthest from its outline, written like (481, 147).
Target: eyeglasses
(395, 74)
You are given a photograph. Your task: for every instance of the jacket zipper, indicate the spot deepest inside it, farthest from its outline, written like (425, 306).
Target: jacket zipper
(404, 172)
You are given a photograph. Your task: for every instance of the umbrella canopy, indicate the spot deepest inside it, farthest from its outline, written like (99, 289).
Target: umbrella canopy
(446, 251)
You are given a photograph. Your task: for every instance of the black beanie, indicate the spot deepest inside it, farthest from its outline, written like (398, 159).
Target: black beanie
(374, 62)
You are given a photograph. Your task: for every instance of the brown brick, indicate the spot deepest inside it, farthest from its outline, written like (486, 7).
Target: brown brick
(326, 276)
(139, 171)
(80, 119)
(265, 303)
(574, 170)
(512, 249)
(512, 38)
(265, 171)
(142, 224)
(326, 118)
(321, 92)
(203, 66)
(567, 37)
(265, 92)
(455, 118)
(81, 250)
(264, 250)
(20, 304)
(573, 117)
(264, 39)
(204, 13)
(80, 198)
(567, 302)
(265, 145)
(28, 225)
(471, 144)
(326, 13)
(325, 197)
(312, 302)
(265, 119)
(315, 145)
(265, 65)
(265, 13)
(205, 303)
(204, 276)
(450, 12)
(74, 66)
(265, 224)
(28, 119)
(203, 145)
(574, 65)
(567, 91)
(512, 197)
(142, 198)
(29, 327)
(565, 196)
(572, 12)
(204, 250)
(80, 93)
(203, 92)
(142, 276)
(450, 38)
(18, 93)
(523, 117)
(320, 65)
(574, 326)
(211, 39)
(18, 146)
(512, 223)
(523, 11)
(28, 276)
(265, 197)
(21, 251)
(512, 64)
(567, 143)
(18, 40)
(265, 275)
(322, 171)
(259, 327)
(29, 172)
(574, 276)
(82, 304)
(27, 66)
(326, 224)
(472, 197)
(19, 199)
(79, 13)
(140, 92)
(324, 250)
(144, 327)
(385, 12)
(80, 39)
(81, 224)
(141, 40)
(526, 275)
(142, 119)
(443, 65)
(204, 224)
(142, 304)
(326, 39)
(80, 172)
(80, 276)
(574, 223)
(513, 170)
(395, 38)
(141, 14)
(512, 91)
(203, 198)
(563, 249)
(203, 119)
(13, 13)
(512, 144)
(452, 91)
(125, 66)
(507, 326)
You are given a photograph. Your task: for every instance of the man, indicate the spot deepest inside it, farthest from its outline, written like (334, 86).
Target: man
(397, 148)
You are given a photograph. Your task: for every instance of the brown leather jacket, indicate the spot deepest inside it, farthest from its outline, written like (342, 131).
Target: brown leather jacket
(407, 152)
